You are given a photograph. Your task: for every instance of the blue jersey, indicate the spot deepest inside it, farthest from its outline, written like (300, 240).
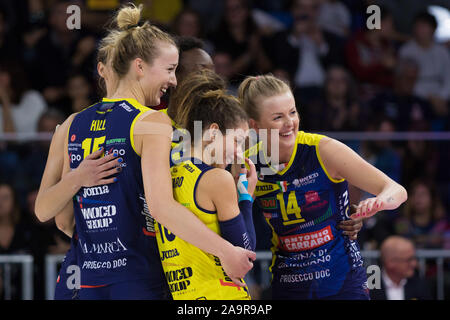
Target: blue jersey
(116, 235)
(62, 291)
(303, 206)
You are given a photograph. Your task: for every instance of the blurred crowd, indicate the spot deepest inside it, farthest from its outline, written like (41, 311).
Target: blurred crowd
(345, 77)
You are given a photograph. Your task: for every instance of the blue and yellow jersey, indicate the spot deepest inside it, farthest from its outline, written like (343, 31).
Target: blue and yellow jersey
(190, 272)
(303, 205)
(116, 234)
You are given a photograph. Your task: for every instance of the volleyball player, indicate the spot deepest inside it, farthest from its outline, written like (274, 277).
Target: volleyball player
(201, 183)
(144, 81)
(86, 173)
(305, 195)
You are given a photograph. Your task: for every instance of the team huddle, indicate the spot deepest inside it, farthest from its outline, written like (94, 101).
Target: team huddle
(157, 211)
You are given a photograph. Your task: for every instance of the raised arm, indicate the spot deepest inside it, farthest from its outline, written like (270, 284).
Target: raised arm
(217, 189)
(152, 137)
(341, 162)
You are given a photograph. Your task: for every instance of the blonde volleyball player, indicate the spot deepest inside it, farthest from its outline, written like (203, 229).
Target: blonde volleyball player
(88, 173)
(137, 73)
(306, 196)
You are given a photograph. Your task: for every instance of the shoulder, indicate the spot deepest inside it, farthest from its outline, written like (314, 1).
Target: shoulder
(151, 122)
(155, 116)
(216, 176)
(329, 149)
(62, 131)
(66, 124)
(311, 139)
(217, 183)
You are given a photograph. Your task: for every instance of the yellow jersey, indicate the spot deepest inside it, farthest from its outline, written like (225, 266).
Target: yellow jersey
(191, 273)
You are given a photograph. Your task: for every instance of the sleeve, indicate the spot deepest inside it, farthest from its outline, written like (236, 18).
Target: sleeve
(240, 230)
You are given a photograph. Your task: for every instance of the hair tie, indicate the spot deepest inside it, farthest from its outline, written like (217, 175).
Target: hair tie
(139, 24)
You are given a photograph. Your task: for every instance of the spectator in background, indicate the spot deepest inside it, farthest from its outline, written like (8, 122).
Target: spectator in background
(239, 36)
(420, 159)
(20, 108)
(422, 217)
(79, 91)
(398, 279)
(382, 154)
(46, 238)
(337, 109)
(34, 156)
(223, 67)
(399, 104)
(13, 238)
(210, 12)
(9, 44)
(371, 54)
(433, 81)
(59, 52)
(304, 52)
(34, 27)
(334, 17)
(192, 57)
(187, 24)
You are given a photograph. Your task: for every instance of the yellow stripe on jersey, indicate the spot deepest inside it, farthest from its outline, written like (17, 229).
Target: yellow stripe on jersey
(138, 106)
(68, 130)
(192, 273)
(313, 139)
(310, 139)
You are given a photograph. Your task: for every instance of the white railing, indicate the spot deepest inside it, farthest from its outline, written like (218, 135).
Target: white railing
(27, 263)
(265, 257)
(51, 273)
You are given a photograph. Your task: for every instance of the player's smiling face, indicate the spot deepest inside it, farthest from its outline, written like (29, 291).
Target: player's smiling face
(159, 76)
(278, 113)
(226, 148)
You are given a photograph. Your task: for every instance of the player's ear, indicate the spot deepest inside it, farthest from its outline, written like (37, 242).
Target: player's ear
(253, 124)
(100, 70)
(139, 64)
(214, 131)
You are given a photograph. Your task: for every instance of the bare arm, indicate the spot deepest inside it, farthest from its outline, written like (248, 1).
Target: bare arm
(65, 219)
(56, 190)
(155, 150)
(341, 162)
(235, 220)
(48, 204)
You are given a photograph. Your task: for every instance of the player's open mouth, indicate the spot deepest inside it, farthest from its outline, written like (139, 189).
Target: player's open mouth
(162, 91)
(287, 134)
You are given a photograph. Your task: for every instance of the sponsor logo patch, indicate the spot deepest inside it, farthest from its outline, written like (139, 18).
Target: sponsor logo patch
(306, 241)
